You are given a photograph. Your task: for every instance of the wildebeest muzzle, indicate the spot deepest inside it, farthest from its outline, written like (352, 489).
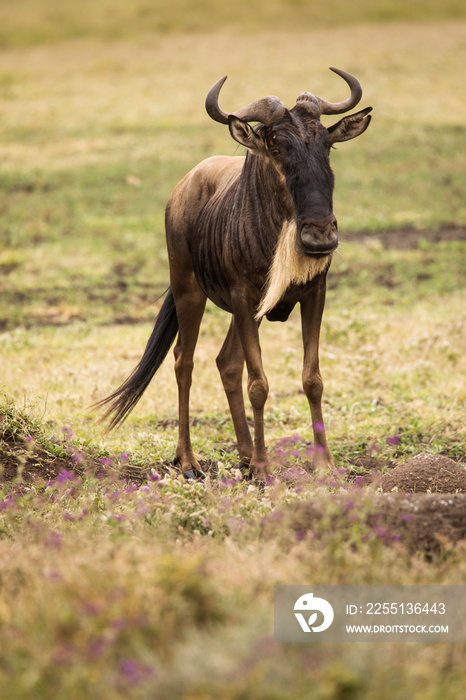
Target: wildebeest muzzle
(318, 237)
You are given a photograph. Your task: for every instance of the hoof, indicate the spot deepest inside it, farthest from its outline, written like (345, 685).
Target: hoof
(260, 475)
(189, 474)
(195, 474)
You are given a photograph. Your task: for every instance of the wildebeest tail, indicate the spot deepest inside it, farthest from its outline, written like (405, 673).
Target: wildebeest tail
(119, 404)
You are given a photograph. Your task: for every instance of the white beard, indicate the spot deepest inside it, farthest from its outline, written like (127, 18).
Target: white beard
(289, 266)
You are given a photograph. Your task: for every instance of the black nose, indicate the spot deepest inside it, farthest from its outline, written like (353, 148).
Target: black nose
(318, 237)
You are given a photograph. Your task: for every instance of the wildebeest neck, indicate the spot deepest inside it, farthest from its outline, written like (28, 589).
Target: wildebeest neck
(262, 191)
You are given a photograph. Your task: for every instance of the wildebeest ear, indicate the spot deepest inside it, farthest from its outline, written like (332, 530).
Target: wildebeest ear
(351, 126)
(245, 135)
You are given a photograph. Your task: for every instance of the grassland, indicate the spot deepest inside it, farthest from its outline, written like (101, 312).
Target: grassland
(114, 589)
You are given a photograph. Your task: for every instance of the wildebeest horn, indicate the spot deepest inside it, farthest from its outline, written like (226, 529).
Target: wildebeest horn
(319, 106)
(267, 110)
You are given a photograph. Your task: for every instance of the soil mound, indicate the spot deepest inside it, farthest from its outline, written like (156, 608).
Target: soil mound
(427, 474)
(423, 522)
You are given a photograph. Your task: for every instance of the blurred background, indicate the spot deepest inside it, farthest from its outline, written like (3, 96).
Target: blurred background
(102, 112)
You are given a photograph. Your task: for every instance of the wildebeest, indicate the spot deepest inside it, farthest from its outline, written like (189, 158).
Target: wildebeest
(255, 234)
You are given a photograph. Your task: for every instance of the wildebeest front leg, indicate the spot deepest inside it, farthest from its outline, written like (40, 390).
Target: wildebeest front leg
(258, 388)
(312, 307)
(230, 363)
(190, 305)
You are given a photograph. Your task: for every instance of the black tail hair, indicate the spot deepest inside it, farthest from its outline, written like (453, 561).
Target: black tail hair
(123, 400)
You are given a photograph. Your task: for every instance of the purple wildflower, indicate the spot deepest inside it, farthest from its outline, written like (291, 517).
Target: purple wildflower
(273, 516)
(53, 539)
(141, 509)
(92, 609)
(135, 672)
(236, 525)
(383, 534)
(106, 461)
(96, 646)
(292, 473)
(9, 502)
(393, 440)
(288, 440)
(64, 475)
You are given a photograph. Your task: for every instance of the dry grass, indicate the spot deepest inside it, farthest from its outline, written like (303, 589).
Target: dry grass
(27, 22)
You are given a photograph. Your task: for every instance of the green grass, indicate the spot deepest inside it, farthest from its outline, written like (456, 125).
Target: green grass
(95, 137)
(109, 590)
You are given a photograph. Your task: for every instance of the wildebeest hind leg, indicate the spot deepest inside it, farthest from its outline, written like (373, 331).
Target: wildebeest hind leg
(190, 304)
(230, 363)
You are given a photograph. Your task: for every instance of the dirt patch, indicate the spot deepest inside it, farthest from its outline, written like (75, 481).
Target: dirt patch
(407, 238)
(27, 466)
(426, 473)
(32, 462)
(423, 506)
(430, 523)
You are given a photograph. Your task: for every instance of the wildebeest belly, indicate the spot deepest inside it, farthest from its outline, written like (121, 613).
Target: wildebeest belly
(224, 257)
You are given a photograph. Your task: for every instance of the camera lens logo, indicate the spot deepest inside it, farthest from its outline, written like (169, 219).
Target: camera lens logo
(307, 603)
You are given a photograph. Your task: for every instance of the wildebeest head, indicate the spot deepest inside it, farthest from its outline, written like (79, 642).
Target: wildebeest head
(298, 145)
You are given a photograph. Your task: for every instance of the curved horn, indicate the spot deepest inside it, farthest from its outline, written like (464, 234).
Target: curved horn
(346, 105)
(267, 110)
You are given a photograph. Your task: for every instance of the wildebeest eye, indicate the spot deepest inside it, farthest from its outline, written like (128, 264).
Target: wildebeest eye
(274, 151)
